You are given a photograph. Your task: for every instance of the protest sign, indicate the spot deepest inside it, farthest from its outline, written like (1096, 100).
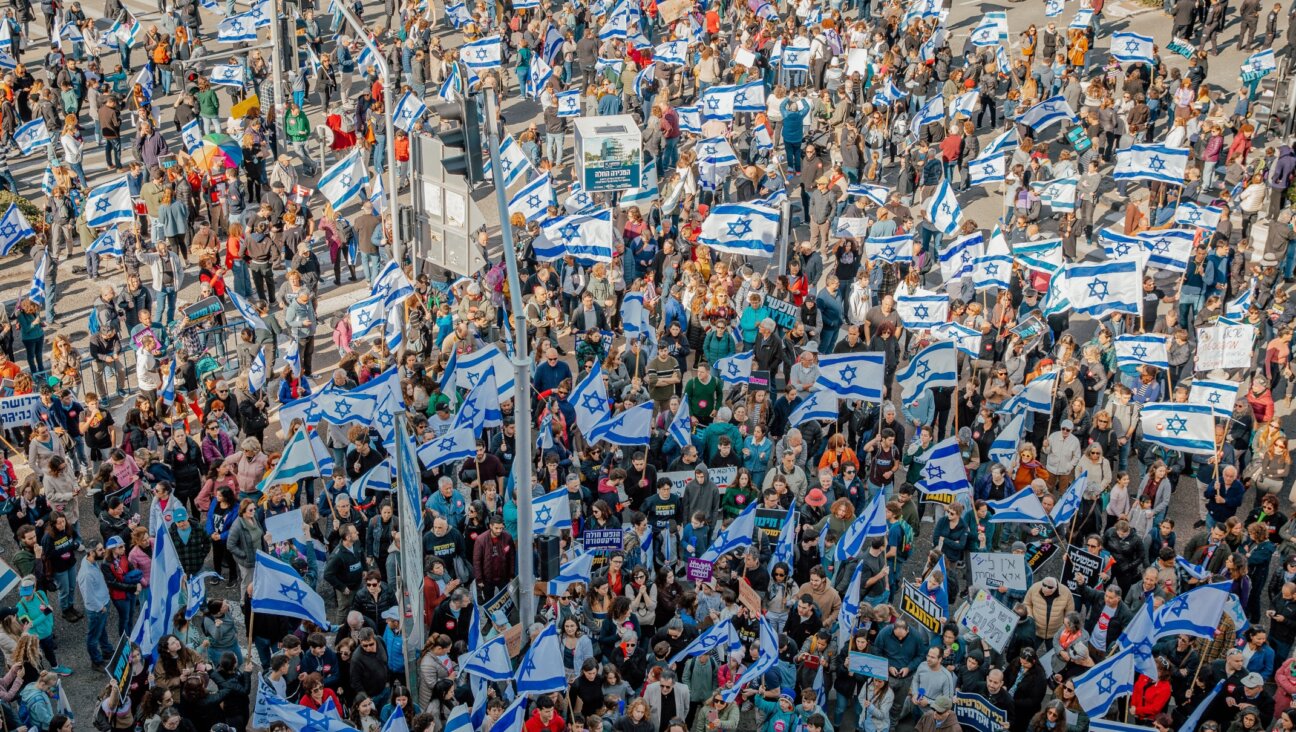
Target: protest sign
(770, 522)
(784, 313)
(18, 411)
(974, 712)
(606, 540)
(759, 379)
(1039, 552)
(723, 477)
(286, 526)
(866, 664)
(204, 309)
(678, 479)
(502, 610)
(1224, 347)
(699, 570)
(993, 570)
(990, 620)
(1079, 561)
(924, 610)
(748, 598)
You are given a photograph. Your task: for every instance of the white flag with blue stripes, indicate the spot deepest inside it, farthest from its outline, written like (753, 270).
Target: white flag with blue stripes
(943, 210)
(1141, 350)
(366, 315)
(227, 75)
(796, 57)
(717, 151)
(1108, 287)
(680, 428)
(588, 238)
(107, 244)
(541, 75)
(1047, 113)
(409, 110)
(959, 259)
(690, 118)
(741, 228)
(1151, 162)
(1168, 249)
(1059, 194)
(1132, 48)
(735, 369)
(718, 635)
(590, 401)
(239, 28)
(1201, 217)
(875, 193)
(989, 168)
(377, 479)
(933, 112)
(898, 248)
(578, 570)
(1004, 447)
(672, 53)
(1259, 65)
(1067, 506)
(277, 589)
(645, 194)
(934, 366)
(1036, 396)
(191, 135)
(737, 535)
(344, 180)
(1022, 507)
(552, 512)
(628, 428)
(32, 135)
(966, 340)
(514, 163)
(36, 293)
(569, 103)
(749, 97)
(488, 53)
(257, 373)
(109, 204)
(541, 670)
(534, 199)
(1187, 428)
(922, 308)
(342, 408)
(820, 404)
(869, 524)
(455, 445)
(1218, 394)
(1098, 688)
(489, 660)
(965, 104)
(245, 310)
(853, 375)
(14, 228)
(392, 285)
(995, 267)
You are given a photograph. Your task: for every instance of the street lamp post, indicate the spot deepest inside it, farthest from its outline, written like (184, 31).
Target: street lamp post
(398, 246)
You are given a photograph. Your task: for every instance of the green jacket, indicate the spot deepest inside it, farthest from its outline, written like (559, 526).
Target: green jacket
(704, 399)
(208, 104)
(40, 612)
(297, 126)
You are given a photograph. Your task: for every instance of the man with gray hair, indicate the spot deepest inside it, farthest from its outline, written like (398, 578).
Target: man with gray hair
(667, 699)
(769, 351)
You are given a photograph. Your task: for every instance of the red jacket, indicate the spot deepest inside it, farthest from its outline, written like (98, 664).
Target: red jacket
(493, 558)
(556, 723)
(1150, 698)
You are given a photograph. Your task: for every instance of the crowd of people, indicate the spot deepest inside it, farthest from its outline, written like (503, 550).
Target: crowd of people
(789, 550)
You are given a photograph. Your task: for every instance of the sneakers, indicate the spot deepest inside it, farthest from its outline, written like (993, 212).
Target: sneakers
(62, 670)
(72, 615)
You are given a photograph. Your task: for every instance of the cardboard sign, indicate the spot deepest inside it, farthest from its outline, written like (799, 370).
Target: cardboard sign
(748, 598)
(784, 314)
(974, 712)
(603, 540)
(1079, 561)
(502, 610)
(993, 570)
(513, 640)
(699, 570)
(990, 620)
(924, 610)
(1037, 553)
(18, 411)
(204, 309)
(1224, 347)
(769, 521)
(672, 10)
(866, 664)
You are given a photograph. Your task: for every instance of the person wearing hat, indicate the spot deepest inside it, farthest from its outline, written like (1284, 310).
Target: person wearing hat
(395, 644)
(36, 614)
(823, 207)
(191, 541)
(780, 716)
(1047, 603)
(1061, 455)
(124, 582)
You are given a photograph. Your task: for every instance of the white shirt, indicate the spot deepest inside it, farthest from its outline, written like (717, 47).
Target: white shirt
(146, 372)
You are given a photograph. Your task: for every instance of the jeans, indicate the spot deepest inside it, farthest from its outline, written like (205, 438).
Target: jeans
(793, 151)
(35, 348)
(299, 147)
(125, 614)
(164, 303)
(210, 125)
(97, 645)
(669, 155)
(66, 581)
(6, 177)
(242, 281)
(372, 266)
(555, 143)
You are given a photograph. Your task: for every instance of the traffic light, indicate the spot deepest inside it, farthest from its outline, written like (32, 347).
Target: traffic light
(466, 135)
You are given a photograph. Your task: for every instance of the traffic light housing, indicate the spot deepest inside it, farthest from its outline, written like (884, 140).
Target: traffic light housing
(548, 558)
(466, 135)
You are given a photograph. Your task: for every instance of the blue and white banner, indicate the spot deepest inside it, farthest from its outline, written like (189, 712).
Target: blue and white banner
(672, 53)
(1022, 507)
(1201, 217)
(922, 308)
(569, 103)
(1058, 194)
(1098, 688)
(989, 168)
(853, 375)
(366, 315)
(1108, 287)
(869, 524)
(191, 135)
(735, 369)
(959, 259)
(629, 428)
(534, 199)
(1132, 48)
(277, 589)
(1187, 428)
(966, 340)
(898, 248)
(237, 29)
(680, 428)
(1141, 350)
(455, 445)
(589, 400)
(1168, 249)
(227, 75)
(820, 405)
(875, 193)
(1151, 162)
(109, 204)
(741, 228)
(588, 238)
(1259, 65)
(514, 161)
(1218, 394)
(487, 53)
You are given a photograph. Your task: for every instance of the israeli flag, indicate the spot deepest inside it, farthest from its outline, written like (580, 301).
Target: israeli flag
(1082, 20)
(643, 78)
(965, 104)
(1139, 350)
(489, 661)
(1119, 247)
(959, 258)
(1098, 688)
(995, 267)
(629, 428)
(680, 428)
(482, 55)
(741, 228)
(511, 720)
(552, 512)
(578, 570)
(1201, 217)
(877, 194)
(481, 408)
(377, 479)
(927, 51)
(1058, 194)
(1196, 612)
(458, 15)
(767, 656)
(718, 102)
(109, 204)
(297, 462)
(457, 444)
(721, 635)
(166, 578)
(107, 244)
(1218, 394)
(934, 366)
(541, 670)
(749, 97)
(1195, 571)
(672, 53)
(735, 369)
(796, 57)
(534, 199)
(237, 29)
(452, 85)
(191, 136)
(922, 309)
(277, 589)
(853, 375)
(889, 93)
(617, 24)
(1036, 396)
(14, 228)
(966, 340)
(898, 248)
(989, 168)
(785, 547)
(943, 211)
(1004, 447)
(1047, 113)
(1168, 249)
(850, 607)
(226, 75)
(569, 103)
(245, 310)
(586, 237)
(933, 112)
(985, 34)
(472, 368)
(513, 161)
(409, 110)
(257, 373)
(733, 537)
(1258, 65)
(168, 392)
(31, 136)
(541, 75)
(644, 195)
(616, 65)
(1132, 48)
(1020, 508)
(1151, 162)
(342, 408)
(1067, 506)
(820, 405)
(344, 180)
(1188, 428)
(366, 315)
(39, 276)
(1107, 287)
(690, 119)
(869, 524)
(1001, 144)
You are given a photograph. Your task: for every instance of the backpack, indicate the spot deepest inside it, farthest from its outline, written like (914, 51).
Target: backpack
(93, 325)
(345, 232)
(162, 53)
(906, 541)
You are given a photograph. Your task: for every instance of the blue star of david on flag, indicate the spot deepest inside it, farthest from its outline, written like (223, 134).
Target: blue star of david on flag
(921, 311)
(1176, 425)
(1131, 46)
(935, 472)
(889, 252)
(739, 228)
(292, 592)
(849, 373)
(1157, 163)
(1140, 352)
(992, 269)
(1106, 683)
(1213, 398)
(923, 369)
(543, 514)
(1098, 288)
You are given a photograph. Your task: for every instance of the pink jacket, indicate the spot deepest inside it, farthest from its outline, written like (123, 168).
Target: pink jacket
(1286, 687)
(248, 472)
(141, 560)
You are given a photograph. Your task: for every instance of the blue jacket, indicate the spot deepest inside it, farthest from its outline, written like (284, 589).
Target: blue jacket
(906, 653)
(1262, 661)
(794, 120)
(1232, 493)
